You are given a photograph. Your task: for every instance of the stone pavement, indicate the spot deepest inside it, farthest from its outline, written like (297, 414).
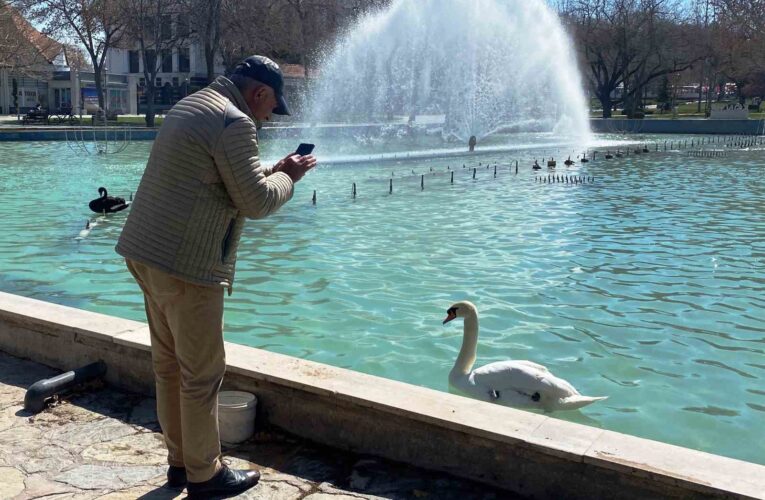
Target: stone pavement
(104, 443)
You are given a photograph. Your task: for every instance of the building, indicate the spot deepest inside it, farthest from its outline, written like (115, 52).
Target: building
(181, 63)
(30, 59)
(41, 71)
(53, 75)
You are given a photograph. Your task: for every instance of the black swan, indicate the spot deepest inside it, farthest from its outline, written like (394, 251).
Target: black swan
(105, 203)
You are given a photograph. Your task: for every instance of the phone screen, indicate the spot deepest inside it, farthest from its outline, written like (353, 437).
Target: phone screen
(304, 149)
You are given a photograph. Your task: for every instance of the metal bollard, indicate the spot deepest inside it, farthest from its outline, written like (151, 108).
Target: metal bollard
(474, 169)
(354, 191)
(313, 200)
(390, 189)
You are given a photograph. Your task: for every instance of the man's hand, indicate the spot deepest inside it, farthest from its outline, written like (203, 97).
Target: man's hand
(295, 165)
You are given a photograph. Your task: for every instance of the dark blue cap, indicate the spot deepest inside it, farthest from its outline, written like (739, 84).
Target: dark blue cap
(265, 71)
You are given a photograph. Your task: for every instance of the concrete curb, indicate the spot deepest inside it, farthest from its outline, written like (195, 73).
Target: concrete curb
(529, 454)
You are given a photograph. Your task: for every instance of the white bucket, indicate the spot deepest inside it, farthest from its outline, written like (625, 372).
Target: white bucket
(236, 415)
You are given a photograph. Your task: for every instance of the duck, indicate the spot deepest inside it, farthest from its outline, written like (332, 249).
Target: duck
(106, 203)
(515, 383)
(536, 166)
(568, 162)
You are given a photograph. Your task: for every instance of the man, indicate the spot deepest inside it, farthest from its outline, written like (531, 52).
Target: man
(203, 178)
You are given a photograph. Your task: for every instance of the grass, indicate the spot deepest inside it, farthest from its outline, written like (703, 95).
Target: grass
(684, 110)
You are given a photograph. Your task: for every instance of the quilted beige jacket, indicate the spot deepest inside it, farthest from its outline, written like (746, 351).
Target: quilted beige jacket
(203, 178)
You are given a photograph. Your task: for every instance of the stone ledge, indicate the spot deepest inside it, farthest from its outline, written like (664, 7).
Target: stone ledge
(520, 451)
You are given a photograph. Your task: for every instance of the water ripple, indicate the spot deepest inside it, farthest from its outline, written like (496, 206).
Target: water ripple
(647, 286)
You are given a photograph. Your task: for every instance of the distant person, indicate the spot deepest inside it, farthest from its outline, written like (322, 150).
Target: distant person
(203, 178)
(471, 143)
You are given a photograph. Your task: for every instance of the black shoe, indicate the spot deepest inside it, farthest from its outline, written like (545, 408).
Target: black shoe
(225, 483)
(176, 477)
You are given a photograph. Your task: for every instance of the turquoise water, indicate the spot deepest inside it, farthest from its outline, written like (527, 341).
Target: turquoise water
(647, 285)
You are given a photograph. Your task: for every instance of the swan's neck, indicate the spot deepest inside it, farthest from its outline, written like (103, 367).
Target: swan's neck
(466, 357)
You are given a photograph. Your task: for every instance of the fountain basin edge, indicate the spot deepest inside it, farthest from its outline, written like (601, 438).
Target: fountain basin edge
(527, 453)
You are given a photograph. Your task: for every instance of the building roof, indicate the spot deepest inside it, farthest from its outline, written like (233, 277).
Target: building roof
(296, 71)
(41, 48)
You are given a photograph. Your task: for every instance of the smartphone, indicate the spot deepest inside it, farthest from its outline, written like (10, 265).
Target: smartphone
(304, 149)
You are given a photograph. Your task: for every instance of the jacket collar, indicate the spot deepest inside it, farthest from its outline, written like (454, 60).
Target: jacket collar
(227, 89)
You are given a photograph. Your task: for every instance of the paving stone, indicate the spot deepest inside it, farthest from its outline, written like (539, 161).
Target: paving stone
(337, 496)
(272, 490)
(19, 441)
(11, 395)
(8, 417)
(15, 372)
(144, 493)
(144, 414)
(37, 485)
(335, 492)
(101, 477)
(312, 468)
(12, 483)
(141, 449)
(273, 476)
(98, 431)
(49, 458)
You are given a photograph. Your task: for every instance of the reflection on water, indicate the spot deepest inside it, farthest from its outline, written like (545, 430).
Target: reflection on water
(647, 285)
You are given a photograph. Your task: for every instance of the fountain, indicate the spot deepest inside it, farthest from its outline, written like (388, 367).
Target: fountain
(99, 139)
(467, 67)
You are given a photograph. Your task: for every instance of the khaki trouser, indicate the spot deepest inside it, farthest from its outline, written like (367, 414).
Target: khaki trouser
(186, 324)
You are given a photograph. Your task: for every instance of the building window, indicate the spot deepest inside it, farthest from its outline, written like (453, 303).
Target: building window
(133, 61)
(151, 60)
(158, 84)
(182, 28)
(184, 64)
(167, 61)
(62, 98)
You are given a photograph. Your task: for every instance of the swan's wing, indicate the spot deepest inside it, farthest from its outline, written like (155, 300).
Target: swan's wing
(533, 365)
(522, 376)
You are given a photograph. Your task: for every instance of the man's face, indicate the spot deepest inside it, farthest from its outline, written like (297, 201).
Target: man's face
(262, 102)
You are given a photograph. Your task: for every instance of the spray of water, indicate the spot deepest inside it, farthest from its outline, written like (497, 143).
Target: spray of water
(480, 66)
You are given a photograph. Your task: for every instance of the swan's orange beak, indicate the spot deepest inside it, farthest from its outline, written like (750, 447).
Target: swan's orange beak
(450, 315)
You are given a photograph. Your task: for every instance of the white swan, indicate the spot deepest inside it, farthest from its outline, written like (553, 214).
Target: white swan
(519, 383)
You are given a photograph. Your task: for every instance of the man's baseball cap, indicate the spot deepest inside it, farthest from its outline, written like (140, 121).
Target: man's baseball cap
(265, 71)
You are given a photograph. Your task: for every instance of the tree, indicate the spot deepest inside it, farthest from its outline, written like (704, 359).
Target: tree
(738, 38)
(206, 18)
(149, 24)
(627, 44)
(95, 25)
